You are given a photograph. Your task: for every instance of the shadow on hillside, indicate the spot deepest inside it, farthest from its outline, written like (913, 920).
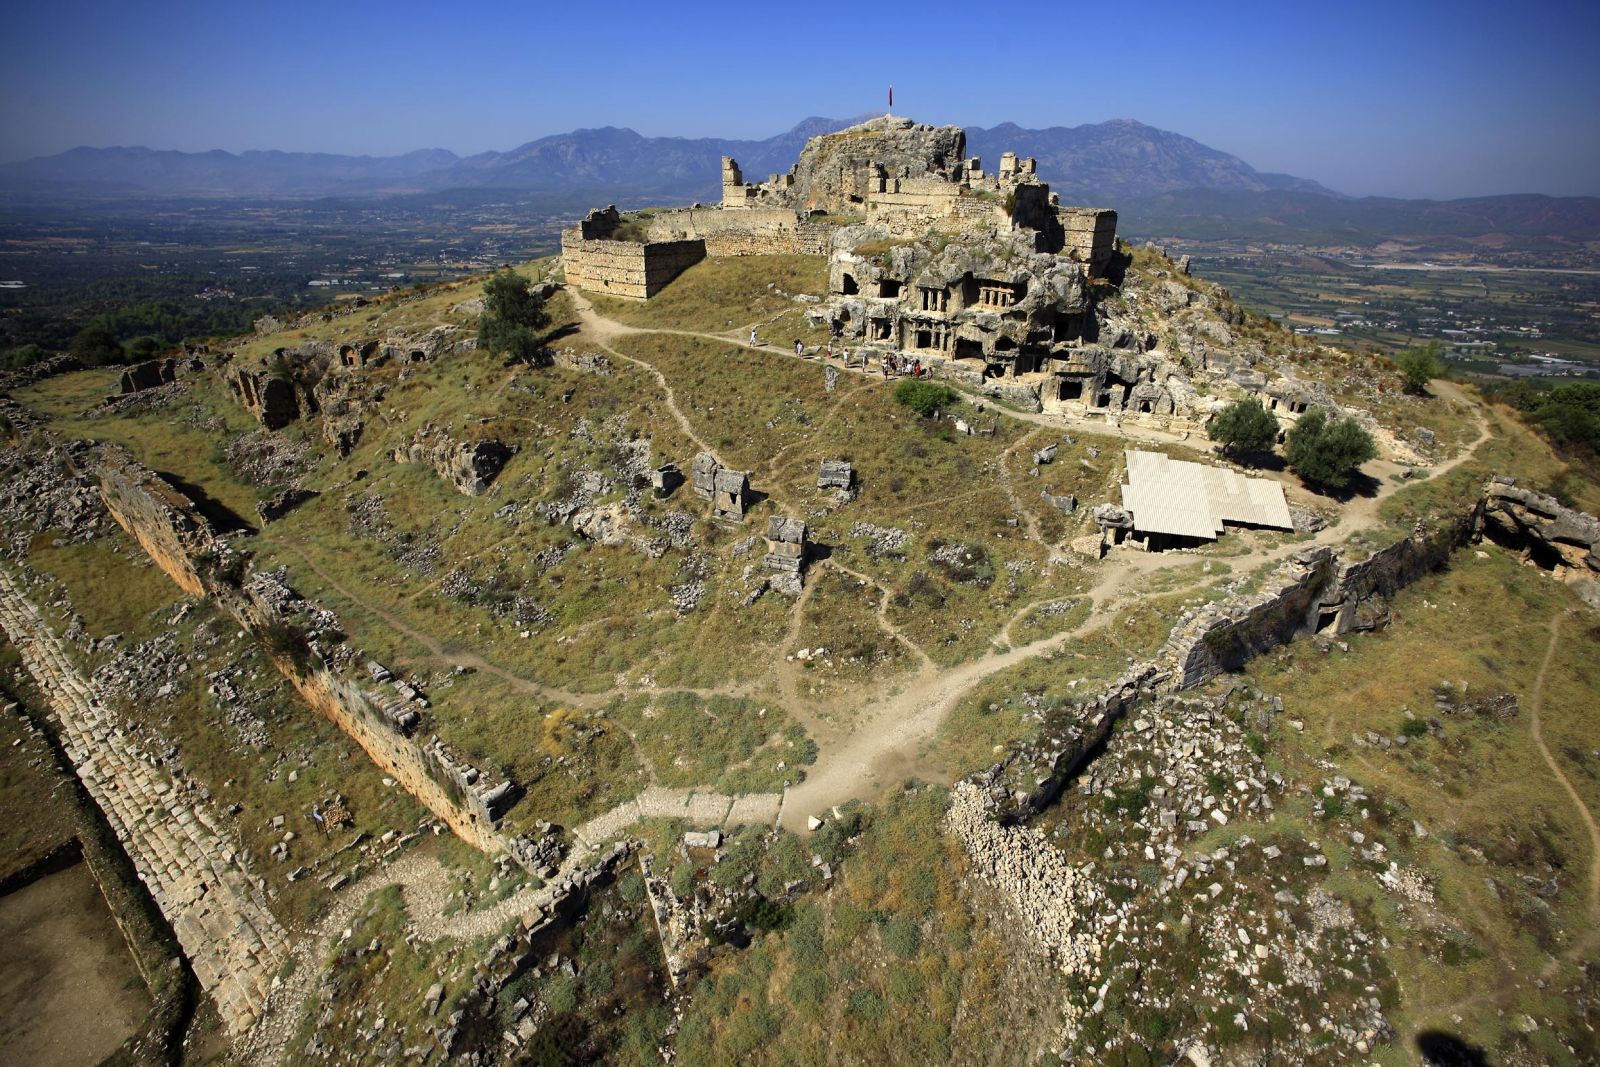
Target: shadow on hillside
(1361, 484)
(1440, 1049)
(223, 519)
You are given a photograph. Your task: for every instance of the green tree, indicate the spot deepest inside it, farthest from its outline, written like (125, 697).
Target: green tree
(97, 346)
(22, 356)
(1245, 427)
(1328, 453)
(513, 316)
(146, 347)
(923, 397)
(1419, 366)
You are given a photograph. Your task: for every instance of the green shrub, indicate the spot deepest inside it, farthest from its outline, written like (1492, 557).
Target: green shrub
(513, 315)
(1413, 728)
(924, 397)
(1328, 453)
(1245, 427)
(1419, 366)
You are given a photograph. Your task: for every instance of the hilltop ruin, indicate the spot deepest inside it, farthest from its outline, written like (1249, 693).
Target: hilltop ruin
(900, 177)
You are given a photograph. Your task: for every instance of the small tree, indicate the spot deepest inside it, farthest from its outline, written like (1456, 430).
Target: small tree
(923, 397)
(1328, 453)
(143, 348)
(513, 315)
(97, 346)
(1245, 427)
(1419, 366)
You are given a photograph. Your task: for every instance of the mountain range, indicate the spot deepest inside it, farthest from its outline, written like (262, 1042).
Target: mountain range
(1160, 181)
(1110, 160)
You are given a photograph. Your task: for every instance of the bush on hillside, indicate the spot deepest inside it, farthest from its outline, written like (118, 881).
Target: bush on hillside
(1568, 414)
(1245, 427)
(1419, 366)
(97, 346)
(1328, 453)
(924, 397)
(513, 316)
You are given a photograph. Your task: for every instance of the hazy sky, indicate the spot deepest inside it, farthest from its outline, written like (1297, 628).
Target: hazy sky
(1395, 98)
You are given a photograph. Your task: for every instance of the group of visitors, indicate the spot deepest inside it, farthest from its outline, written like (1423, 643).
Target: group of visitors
(893, 364)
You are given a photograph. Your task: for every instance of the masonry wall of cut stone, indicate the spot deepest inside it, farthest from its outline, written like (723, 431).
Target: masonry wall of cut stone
(160, 518)
(751, 231)
(1090, 234)
(631, 269)
(179, 541)
(1315, 591)
(415, 766)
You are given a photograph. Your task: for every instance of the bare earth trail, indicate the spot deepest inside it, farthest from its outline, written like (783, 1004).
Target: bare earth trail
(893, 731)
(1534, 726)
(449, 655)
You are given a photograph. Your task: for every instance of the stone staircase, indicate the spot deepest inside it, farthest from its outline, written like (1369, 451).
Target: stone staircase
(700, 808)
(191, 864)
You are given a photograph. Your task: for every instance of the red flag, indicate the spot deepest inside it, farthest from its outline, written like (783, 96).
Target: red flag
(891, 98)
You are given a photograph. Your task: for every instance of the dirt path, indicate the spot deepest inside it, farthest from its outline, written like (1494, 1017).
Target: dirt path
(889, 736)
(448, 655)
(603, 330)
(1535, 727)
(890, 733)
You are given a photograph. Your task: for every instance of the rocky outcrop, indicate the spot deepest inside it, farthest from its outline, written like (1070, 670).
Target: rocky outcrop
(1563, 538)
(470, 466)
(836, 171)
(346, 397)
(274, 400)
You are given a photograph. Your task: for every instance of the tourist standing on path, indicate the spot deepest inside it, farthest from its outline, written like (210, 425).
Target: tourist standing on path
(799, 347)
(752, 337)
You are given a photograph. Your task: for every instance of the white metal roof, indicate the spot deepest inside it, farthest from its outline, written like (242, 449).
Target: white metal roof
(1173, 496)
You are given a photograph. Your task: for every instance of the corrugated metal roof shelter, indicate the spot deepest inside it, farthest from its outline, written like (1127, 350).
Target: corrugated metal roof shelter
(1173, 496)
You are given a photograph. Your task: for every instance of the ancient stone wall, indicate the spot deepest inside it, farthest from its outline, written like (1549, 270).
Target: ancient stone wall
(635, 270)
(1222, 637)
(1315, 591)
(180, 541)
(195, 869)
(1089, 234)
(748, 232)
(417, 767)
(164, 521)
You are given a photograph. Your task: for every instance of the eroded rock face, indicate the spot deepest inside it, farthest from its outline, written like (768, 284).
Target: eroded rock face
(274, 400)
(471, 466)
(344, 398)
(836, 171)
(1572, 535)
(1549, 534)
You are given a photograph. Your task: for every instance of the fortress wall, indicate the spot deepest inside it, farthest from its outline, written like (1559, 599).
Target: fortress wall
(181, 543)
(164, 522)
(753, 231)
(416, 767)
(626, 268)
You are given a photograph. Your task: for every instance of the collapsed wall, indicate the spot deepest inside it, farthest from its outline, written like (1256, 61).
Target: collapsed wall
(1316, 591)
(304, 643)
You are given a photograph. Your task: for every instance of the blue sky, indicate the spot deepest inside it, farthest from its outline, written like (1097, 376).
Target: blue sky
(1397, 98)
